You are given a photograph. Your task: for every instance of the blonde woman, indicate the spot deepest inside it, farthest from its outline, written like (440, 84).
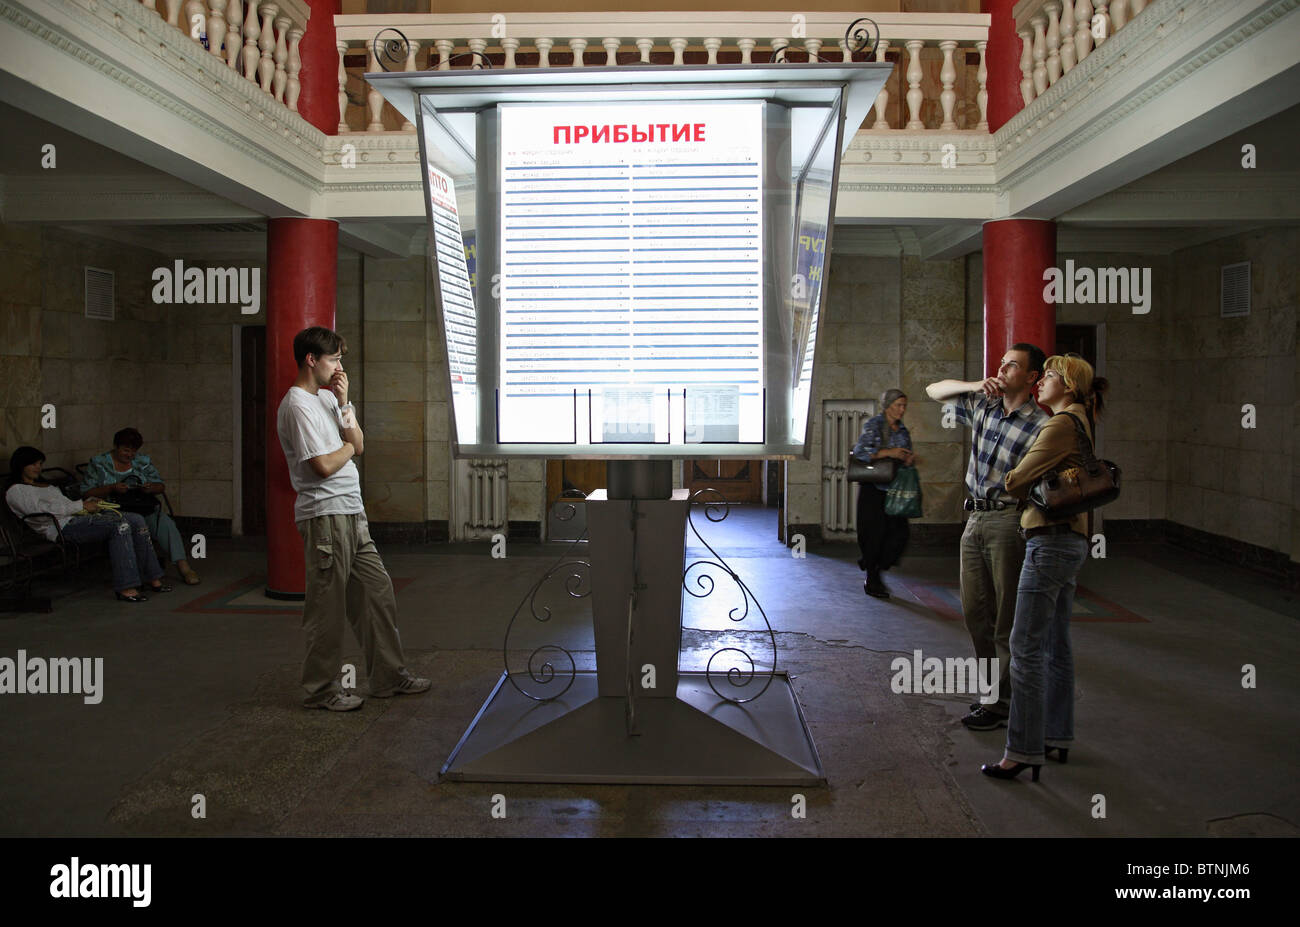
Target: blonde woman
(1042, 665)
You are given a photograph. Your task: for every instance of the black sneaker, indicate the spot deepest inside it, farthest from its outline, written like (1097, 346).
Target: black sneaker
(981, 719)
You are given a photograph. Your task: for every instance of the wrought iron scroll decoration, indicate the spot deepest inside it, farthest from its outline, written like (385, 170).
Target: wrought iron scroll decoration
(391, 50)
(565, 511)
(736, 677)
(544, 673)
(396, 49)
(856, 40)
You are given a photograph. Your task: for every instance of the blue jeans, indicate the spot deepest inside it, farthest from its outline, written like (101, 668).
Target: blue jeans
(1042, 665)
(130, 548)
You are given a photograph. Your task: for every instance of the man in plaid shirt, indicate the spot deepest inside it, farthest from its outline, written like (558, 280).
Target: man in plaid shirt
(1004, 419)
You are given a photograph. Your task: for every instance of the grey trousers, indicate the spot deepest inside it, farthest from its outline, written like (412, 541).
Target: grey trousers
(346, 580)
(992, 552)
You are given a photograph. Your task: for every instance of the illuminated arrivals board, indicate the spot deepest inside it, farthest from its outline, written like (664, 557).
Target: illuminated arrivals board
(631, 266)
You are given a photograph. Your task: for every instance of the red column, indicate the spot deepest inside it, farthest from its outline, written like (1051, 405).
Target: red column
(1016, 251)
(302, 270)
(1002, 60)
(318, 100)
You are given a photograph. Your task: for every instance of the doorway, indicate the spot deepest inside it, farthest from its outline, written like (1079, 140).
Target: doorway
(739, 481)
(252, 427)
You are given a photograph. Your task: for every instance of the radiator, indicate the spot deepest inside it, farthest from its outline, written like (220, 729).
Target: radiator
(487, 494)
(480, 498)
(841, 425)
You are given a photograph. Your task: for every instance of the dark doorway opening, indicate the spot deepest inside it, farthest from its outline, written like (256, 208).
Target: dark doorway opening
(252, 426)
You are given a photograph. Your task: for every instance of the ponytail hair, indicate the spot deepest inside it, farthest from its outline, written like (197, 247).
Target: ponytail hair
(1095, 401)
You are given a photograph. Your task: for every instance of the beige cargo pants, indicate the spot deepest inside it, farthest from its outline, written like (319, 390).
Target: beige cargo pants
(346, 580)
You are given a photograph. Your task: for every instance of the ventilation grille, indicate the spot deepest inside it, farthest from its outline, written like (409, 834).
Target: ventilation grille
(1234, 290)
(99, 294)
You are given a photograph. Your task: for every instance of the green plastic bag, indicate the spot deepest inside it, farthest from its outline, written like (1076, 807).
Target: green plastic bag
(904, 494)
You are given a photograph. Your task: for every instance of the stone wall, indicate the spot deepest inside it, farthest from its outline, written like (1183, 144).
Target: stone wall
(890, 322)
(1224, 478)
(394, 315)
(1133, 428)
(163, 369)
(1180, 375)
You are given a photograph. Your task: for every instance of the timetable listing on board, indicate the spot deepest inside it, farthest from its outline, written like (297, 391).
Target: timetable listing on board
(630, 261)
(459, 318)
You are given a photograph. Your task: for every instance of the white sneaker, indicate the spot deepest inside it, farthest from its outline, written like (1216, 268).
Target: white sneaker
(407, 685)
(339, 702)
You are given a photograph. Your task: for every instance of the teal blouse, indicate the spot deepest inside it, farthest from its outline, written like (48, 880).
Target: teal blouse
(103, 472)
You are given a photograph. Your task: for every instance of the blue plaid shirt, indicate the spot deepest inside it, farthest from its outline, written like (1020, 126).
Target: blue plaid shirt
(999, 439)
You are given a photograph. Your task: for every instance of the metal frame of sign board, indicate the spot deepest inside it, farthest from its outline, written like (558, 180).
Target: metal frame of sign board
(792, 83)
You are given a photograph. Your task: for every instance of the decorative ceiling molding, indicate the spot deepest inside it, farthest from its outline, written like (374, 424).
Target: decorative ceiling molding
(1155, 52)
(138, 50)
(887, 176)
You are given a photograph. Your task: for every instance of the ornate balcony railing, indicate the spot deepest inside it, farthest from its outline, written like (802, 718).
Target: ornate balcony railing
(932, 52)
(1057, 35)
(257, 40)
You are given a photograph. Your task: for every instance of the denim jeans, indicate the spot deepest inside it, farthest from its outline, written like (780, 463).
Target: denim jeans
(130, 548)
(1042, 665)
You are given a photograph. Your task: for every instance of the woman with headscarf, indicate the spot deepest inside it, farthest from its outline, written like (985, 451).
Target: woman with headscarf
(881, 537)
(129, 548)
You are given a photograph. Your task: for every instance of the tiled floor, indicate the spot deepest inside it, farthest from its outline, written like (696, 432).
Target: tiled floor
(200, 697)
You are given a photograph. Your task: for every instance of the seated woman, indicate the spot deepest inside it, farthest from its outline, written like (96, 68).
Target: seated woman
(882, 537)
(1042, 664)
(129, 547)
(109, 472)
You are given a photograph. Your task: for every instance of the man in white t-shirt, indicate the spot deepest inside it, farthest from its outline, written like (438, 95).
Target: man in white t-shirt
(346, 579)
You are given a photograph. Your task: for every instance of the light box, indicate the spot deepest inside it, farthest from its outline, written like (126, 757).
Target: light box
(649, 248)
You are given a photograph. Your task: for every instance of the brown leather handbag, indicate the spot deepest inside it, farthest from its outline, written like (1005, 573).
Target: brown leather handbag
(1064, 493)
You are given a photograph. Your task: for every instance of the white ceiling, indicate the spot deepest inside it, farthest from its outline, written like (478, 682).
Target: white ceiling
(1205, 195)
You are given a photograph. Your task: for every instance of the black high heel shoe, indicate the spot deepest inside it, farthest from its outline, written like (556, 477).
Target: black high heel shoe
(1010, 772)
(1063, 751)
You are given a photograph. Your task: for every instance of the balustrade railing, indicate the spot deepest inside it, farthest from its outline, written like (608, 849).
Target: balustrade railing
(926, 82)
(256, 40)
(1057, 35)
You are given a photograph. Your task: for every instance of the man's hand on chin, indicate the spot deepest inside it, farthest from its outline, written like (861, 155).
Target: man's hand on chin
(339, 384)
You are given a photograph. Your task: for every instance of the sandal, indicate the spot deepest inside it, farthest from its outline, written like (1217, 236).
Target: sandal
(130, 598)
(191, 578)
(161, 587)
